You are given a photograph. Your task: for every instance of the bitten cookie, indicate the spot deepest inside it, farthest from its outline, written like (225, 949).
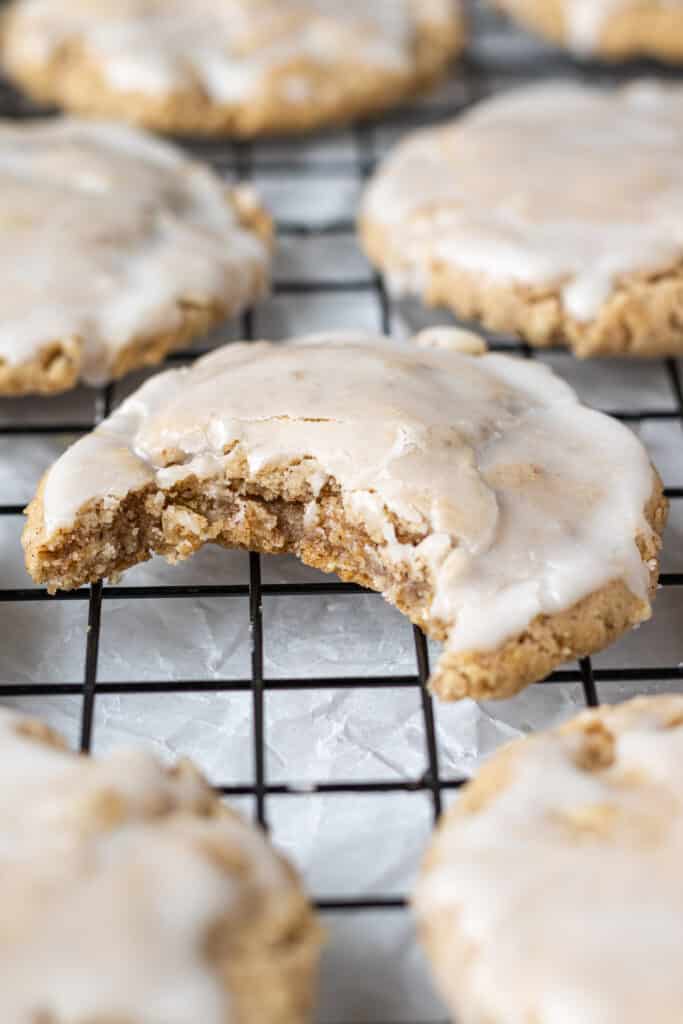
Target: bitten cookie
(552, 891)
(610, 29)
(474, 491)
(129, 892)
(115, 248)
(552, 211)
(242, 67)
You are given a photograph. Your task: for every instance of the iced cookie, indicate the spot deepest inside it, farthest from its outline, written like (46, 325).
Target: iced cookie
(552, 891)
(115, 248)
(129, 892)
(553, 211)
(474, 491)
(610, 29)
(242, 67)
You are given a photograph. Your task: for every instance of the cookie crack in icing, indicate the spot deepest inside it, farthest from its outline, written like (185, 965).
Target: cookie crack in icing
(474, 491)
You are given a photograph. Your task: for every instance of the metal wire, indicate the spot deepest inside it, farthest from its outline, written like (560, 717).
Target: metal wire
(476, 77)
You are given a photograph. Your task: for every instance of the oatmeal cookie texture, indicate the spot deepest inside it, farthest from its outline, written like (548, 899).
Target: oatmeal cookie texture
(243, 67)
(610, 29)
(552, 212)
(115, 249)
(130, 893)
(552, 891)
(474, 491)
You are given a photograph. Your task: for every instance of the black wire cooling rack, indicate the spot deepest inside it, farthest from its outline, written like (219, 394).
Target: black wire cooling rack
(491, 64)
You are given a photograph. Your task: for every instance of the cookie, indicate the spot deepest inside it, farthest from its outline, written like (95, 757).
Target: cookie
(115, 249)
(130, 893)
(241, 67)
(474, 491)
(551, 212)
(552, 891)
(609, 29)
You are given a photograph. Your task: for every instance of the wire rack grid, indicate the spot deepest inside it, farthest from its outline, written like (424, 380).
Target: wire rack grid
(497, 59)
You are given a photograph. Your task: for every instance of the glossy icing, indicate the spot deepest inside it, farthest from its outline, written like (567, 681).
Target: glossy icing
(552, 185)
(103, 232)
(108, 890)
(565, 886)
(525, 500)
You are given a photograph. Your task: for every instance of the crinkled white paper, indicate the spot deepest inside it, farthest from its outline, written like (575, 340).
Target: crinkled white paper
(346, 845)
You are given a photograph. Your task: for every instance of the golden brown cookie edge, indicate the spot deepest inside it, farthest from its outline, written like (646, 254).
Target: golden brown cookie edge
(56, 367)
(448, 952)
(639, 32)
(258, 521)
(73, 81)
(268, 965)
(642, 317)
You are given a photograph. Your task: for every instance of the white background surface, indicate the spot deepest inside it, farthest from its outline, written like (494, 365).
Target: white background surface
(347, 845)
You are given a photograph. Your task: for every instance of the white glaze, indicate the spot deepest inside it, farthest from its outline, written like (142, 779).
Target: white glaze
(552, 184)
(105, 918)
(229, 46)
(103, 230)
(562, 925)
(528, 501)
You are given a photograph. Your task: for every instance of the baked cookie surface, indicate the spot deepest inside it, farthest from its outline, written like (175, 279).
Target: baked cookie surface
(552, 211)
(115, 249)
(242, 67)
(474, 491)
(130, 893)
(610, 29)
(552, 890)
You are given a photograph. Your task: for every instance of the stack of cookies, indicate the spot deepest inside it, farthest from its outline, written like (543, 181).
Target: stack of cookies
(514, 525)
